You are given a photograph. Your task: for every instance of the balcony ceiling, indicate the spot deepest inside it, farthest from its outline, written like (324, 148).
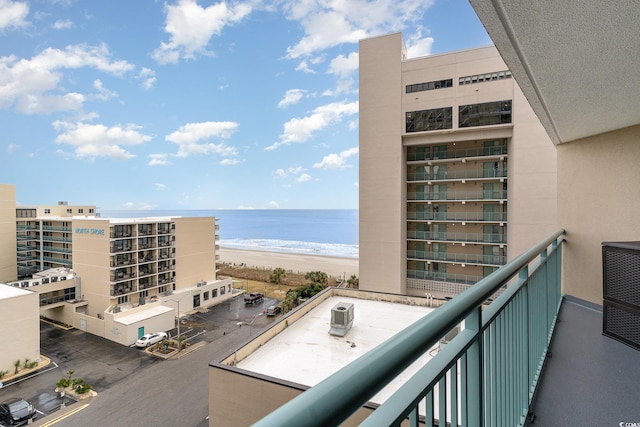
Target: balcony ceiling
(578, 62)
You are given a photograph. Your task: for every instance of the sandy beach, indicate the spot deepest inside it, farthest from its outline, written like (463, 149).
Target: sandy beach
(333, 266)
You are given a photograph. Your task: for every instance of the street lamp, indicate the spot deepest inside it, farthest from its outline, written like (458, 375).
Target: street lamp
(178, 303)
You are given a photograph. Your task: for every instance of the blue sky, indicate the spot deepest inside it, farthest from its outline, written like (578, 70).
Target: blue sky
(185, 104)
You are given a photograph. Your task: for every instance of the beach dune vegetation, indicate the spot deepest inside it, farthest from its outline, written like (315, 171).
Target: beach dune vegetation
(317, 277)
(300, 294)
(277, 275)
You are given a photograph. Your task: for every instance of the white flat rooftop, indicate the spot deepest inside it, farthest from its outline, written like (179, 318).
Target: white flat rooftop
(7, 291)
(305, 352)
(152, 311)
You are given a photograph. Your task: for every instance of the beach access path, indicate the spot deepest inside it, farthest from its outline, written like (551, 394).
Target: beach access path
(302, 263)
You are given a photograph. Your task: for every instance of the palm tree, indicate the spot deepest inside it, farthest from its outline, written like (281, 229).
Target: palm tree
(277, 275)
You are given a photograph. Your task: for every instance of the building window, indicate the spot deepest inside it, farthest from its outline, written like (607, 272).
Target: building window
(437, 84)
(437, 118)
(69, 211)
(222, 290)
(47, 211)
(487, 77)
(229, 287)
(144, 294)
(488, 113)
(80, 210)
(123, 299)
(162, 289)
(205, 295)
(91, 210)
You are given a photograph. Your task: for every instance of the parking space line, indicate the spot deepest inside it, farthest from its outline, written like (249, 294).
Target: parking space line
(63, 416)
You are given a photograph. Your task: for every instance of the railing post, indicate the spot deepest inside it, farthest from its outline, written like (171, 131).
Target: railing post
(475, 386)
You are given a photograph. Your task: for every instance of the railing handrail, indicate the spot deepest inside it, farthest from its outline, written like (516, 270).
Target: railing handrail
(334, 399)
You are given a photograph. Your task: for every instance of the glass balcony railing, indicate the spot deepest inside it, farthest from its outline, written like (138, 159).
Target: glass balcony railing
(439, 236)
(458, 216)
(456, 175)
(483, 376)
(465, 279)
(457, 258)
(457, 195)
(460, 153)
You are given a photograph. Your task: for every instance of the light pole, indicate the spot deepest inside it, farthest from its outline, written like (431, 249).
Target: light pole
(178, 303)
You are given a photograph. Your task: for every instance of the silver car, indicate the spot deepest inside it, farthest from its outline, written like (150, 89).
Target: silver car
(150, 339)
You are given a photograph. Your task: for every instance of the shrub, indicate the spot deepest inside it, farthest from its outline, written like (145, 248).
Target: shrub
(63, 383)
(3, 374)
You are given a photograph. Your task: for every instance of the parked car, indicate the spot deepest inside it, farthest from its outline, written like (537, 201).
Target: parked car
(253, 298)
(17, 411)
(150, 339)
(274, 310)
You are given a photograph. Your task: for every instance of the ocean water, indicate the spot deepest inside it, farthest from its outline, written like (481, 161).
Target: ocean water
(328, 232)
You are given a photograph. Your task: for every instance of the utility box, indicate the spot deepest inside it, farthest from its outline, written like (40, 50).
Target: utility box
(621, 292)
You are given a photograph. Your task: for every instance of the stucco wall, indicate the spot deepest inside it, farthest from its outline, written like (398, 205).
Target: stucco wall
(598, 188)
(20, 331)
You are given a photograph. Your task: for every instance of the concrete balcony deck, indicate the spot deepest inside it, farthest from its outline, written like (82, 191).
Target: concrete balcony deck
(590, 379)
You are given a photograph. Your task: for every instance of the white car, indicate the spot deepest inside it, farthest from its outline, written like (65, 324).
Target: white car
(150, 339)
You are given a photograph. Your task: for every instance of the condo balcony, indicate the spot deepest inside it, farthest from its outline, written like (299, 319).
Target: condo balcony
(492, 260)
(425, 176)
(443, 276)
(457, 216)
(442, 154)
(497, 195)
(435, 236)
(531, 356)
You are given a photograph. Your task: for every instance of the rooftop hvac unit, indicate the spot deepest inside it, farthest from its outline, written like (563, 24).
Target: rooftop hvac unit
(341, 319)
(201, 283)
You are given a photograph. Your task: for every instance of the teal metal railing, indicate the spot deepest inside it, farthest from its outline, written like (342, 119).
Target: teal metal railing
(485, 376)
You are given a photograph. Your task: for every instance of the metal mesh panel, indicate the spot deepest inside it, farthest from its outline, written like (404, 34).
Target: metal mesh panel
(622, 324)
(622, 276)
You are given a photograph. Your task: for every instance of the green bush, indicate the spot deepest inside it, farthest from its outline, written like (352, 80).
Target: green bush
(3, 374)
(63, 383)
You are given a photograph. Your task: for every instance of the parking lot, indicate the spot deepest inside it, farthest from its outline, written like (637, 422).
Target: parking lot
(105, 364)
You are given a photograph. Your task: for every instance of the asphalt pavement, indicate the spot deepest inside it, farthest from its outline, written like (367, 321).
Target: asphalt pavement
(132, 386)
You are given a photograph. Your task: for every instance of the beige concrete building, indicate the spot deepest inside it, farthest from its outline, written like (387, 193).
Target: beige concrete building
(8, 258)
(20, 331)
(457, 175)
(118, 278)
(299, 351)
(44, 236)
(594, 125)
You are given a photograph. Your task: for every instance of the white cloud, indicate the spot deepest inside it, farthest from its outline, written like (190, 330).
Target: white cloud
(281, 173)
(301, 129)
(12, 147)
(304, 67)
(291, 97)
(336, 161)
(29, 84)
(91, 141)
(192, 26)
(103, 94)
(344, 66)
(62, 24)
(160, 187)
(303, 178)
(331, 23)
(189, 138)
(13, 14)
(160, 159)
(148, 77)
(418, 46)
(229, 162)
(273, 204)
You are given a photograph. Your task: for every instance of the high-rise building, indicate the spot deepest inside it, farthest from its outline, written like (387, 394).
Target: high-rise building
(457, 175)
(114, 277)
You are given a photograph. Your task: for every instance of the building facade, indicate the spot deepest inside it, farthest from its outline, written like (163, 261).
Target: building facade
(114, 277)
(7, 233)
(457, 175)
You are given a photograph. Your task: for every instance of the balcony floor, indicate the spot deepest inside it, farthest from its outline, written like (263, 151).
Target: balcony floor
(590, 380)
